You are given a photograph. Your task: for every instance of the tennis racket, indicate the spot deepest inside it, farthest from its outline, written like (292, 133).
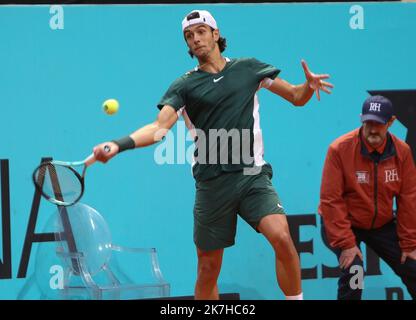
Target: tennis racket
(59, 182)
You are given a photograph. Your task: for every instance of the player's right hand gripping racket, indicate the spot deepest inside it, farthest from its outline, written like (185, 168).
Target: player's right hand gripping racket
(59, 182)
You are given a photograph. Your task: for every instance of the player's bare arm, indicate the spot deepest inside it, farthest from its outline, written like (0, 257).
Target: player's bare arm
(300, 94)
(145, 136)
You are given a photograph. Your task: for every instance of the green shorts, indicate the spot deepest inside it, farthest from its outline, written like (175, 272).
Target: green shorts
(218, 201)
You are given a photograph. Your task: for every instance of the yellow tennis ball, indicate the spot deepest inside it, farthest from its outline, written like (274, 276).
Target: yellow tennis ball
(110, 106)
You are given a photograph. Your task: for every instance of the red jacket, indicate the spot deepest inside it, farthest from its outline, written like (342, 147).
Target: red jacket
(358, 190)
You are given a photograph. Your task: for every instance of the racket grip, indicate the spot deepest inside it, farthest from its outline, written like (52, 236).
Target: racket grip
(90, 160)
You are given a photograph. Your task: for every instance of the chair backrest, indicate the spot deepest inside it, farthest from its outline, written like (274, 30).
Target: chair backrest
(82, 230)
(82, 245)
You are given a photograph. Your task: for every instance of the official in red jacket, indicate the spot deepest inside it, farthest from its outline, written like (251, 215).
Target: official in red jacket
(365, 171)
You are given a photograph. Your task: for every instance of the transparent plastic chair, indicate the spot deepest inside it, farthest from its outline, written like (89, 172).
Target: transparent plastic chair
(83, 263)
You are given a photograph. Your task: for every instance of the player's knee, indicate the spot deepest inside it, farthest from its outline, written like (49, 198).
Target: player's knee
(208, 269)
(282, 241)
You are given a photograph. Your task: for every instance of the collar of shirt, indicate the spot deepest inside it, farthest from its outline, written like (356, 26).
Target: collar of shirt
(225, 58)
(379, 149)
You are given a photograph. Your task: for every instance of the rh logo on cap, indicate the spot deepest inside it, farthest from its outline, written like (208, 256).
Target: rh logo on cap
(375, 106)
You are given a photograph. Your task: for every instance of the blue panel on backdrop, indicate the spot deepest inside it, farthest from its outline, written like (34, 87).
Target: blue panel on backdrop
(55, 77)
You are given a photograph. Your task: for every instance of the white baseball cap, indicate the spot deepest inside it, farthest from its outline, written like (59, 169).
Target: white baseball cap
(199, 16)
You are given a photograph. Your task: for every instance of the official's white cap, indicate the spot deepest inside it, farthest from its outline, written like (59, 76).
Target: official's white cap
(199, 16)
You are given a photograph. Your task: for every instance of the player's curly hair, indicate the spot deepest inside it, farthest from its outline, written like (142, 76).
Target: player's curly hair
(222, 44)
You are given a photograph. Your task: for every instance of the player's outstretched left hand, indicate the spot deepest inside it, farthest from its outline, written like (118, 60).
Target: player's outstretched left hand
(315, 80)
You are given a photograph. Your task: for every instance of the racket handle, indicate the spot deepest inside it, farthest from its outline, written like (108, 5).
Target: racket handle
(91, 158)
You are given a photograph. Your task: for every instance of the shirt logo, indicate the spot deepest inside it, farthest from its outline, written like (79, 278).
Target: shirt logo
(216, 80)
(362, 176)
(391, 175)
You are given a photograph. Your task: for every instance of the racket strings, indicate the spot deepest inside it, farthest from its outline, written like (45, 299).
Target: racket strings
(58, 182)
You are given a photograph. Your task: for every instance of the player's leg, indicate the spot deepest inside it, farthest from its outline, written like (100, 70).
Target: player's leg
(260, 207)
(276, 230)
(385, 242)
(209, 267)
(215, 221)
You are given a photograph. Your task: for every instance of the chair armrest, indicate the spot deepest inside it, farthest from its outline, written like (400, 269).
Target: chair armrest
(157, 273)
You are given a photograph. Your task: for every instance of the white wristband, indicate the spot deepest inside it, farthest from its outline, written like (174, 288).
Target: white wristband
(266, 83)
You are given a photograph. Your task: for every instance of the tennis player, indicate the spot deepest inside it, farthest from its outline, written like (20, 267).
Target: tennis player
(218, 101)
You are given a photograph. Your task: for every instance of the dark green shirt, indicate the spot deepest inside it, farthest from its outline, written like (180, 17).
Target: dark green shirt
(222, 111)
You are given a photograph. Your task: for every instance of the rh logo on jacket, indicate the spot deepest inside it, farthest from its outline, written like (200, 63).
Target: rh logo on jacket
(391, 175)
